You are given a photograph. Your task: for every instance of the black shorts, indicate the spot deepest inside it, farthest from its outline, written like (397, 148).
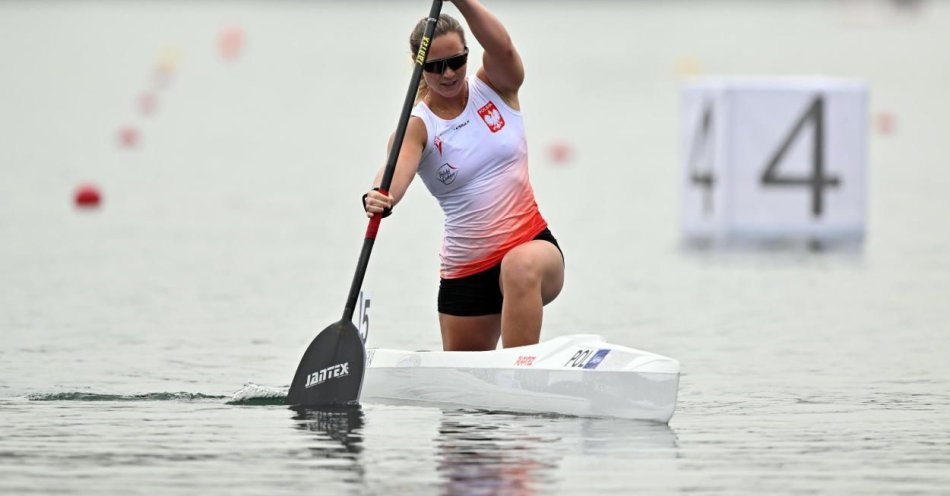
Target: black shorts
(480, 293)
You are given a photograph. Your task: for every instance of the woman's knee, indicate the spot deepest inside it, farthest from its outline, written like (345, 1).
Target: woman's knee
(534, 266)
(520, 271)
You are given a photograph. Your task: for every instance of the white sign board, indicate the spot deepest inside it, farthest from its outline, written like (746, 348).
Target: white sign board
(767, 158)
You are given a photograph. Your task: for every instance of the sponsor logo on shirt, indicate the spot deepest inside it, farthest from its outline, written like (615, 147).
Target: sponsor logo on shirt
(492, 117)
(447, 173)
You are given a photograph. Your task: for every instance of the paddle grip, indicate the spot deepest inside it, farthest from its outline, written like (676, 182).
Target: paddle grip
(374, 221)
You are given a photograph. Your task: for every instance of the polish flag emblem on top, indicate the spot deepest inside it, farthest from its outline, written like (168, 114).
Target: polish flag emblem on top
(492, 117)
(438, 144)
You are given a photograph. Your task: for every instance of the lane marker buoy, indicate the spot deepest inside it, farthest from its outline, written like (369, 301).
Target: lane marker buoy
(128, 137)
(231, 42)
(560, 152)
(87, 196)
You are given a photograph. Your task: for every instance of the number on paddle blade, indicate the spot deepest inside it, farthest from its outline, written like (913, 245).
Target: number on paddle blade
(363, 315)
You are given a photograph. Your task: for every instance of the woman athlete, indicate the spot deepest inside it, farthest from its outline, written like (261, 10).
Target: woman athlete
(466, 141)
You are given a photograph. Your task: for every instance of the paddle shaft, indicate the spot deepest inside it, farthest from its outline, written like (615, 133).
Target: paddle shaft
(390, 170)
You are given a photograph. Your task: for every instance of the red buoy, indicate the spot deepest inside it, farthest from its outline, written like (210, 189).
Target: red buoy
(147, 102)
(128, 137)
(87, 196)
(231, 42)
(886, 123)
(560, 152)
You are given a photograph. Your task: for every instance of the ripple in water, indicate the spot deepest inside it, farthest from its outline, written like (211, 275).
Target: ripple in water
(76, 396)
(255, 394)
(249, 394)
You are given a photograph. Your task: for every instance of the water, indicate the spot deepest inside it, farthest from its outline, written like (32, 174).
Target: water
(228, 238)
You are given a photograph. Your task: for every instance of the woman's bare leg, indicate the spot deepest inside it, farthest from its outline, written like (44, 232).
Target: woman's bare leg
(532, 275)
(470, 333)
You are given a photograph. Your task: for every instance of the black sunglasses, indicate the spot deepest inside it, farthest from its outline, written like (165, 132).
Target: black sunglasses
(454, 62)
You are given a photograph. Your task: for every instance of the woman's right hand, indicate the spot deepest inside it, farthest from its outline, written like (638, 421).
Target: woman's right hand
(375, 202)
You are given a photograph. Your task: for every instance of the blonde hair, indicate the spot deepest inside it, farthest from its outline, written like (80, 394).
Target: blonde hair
(445, 24)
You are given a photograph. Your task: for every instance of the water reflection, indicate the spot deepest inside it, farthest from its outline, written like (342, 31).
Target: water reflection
(341, 425)
(492, 453)
(630, 439)
(846, 246)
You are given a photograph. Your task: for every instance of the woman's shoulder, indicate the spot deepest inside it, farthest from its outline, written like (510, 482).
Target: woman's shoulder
(483, 84)
(418, 131)
(420, 110)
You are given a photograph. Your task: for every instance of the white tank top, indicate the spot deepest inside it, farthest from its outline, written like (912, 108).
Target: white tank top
(476, 166)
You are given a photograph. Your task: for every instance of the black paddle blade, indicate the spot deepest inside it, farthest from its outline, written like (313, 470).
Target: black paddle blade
(331, 370)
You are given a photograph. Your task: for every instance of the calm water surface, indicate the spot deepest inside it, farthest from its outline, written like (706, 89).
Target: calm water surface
(227, 238)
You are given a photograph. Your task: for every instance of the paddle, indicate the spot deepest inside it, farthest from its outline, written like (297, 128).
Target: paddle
(331, 370)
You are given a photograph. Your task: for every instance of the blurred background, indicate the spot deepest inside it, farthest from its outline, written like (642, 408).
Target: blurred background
(179, 211)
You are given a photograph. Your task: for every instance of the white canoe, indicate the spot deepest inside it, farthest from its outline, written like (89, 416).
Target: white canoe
(578, 375)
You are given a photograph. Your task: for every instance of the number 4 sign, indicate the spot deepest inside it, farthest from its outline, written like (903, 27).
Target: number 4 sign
(768, 159)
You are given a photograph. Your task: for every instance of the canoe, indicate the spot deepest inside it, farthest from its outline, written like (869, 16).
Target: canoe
(578, 375)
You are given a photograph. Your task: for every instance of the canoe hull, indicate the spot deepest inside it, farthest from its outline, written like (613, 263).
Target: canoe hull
(578, 375)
